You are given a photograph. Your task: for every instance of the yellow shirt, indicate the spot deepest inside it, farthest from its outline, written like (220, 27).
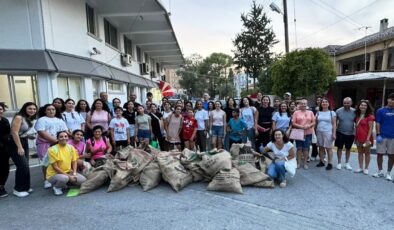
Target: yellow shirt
(64, 156)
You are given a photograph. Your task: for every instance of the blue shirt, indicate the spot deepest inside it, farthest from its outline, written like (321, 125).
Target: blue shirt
(205, 105)
(282, 121)
(236, 128)
(385, 117)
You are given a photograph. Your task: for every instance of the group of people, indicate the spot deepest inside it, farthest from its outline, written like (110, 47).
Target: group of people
(72, 136)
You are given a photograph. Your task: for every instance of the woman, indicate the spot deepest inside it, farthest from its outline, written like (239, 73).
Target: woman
(283, 150)
(99, 147)
(163, 101)
(189, 130)
(217, 125)
(325, 132)
(5, 130)
(115, 103)
(72, 119)
(99, 115)
(202, 118)
(143, 126)
(173, 127)
(281, 119)
(230, 106)
(264, 122)
(292, 107)
(21, 127)
(62, 169)
(249, 114)
(77, 142)
(47, 127)
(167, 110)
(363, 138)
(157, 126)
(130, 115)
(188, 106)
(315, 109)
(211, 106)
(82, 108)
(304, 120)
(259, 101)
(59, 104)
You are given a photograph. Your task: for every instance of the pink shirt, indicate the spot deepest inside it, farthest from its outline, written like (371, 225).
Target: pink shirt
(304, 118)
(97, 144)
(80, 147)
(100, 118)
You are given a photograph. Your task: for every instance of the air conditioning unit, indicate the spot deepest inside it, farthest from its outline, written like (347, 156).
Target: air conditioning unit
(126, 59)
(144, 68)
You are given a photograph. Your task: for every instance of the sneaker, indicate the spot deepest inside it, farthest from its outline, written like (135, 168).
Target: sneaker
(30, 190)
(329, 166)
(57, 191)
(309, 159)
(348, 167)
(313, 158)
(20, 194)
(321, 164)
(388, 177)
(3, 192)
(306, 167)
(358, 170)
(283, 184)
(339, 166)
(365, 171)
(378, 174)
(47, 184)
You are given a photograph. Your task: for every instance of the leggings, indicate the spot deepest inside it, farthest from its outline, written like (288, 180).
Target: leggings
(4, 164)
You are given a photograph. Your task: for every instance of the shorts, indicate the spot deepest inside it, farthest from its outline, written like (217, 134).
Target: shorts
(386, 146)
(306, 144)
(343, 139)
(122, 143)
(324, 139)
(144, 134)
(217, 131)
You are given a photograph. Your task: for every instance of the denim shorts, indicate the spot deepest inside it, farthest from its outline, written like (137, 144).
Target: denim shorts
(217, 131)
(306, 144)
(143, 134)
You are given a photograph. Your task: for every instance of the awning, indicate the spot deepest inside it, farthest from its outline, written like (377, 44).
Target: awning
(365, 76)
(25, 60)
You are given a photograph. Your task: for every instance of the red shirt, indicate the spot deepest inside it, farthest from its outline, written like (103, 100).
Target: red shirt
(188, 127)
(362, 128)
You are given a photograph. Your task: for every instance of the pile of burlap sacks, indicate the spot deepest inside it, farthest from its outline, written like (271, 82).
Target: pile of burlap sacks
(224, 171)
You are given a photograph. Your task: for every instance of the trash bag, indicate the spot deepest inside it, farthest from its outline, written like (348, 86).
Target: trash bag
(150, 176)
(226, 181)
(122, 175)
(173, 171)
(212, 164)
(268, 183)
(139, 159)
(250, 175)
(190, 160)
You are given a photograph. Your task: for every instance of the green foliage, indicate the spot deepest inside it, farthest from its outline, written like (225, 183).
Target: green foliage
(247, 92)
(303, 72)
(190, 79)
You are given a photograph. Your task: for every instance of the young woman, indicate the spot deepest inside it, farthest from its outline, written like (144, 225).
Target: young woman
(5, 130)
(217, 124)
(99, 147)
(211, 106)
(325, 132)
(72, 119)
(202, 118)
(281, 119)
(236, 128)
(363, 138)
(189, 130)
(99, 115)
(249, 114)
(292, 107)
(130, 115)
(188, 105)
(259, 100)
(119, 129)
(283, 150)
(82, 108)
(173, 127)
(62, 168)
(21, 127)
(230, 106)
(157, 126)
(264, 122)
(315, 109)
(143, 126)
(167, 110)
(59, 104)
(47, 127)
(77, 141)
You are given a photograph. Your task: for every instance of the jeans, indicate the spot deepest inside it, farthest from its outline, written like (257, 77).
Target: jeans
(251, 137)
(22, 175)
(201, 140)
(276, 170)
(4, 164)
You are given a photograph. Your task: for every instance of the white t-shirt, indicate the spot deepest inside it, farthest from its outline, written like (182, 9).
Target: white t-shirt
(201, 116)
(120, 128)
(284, 152)
(52, 125)
(166, 114)
(247, 114)
(217, 117)
(73, 120)
(324, 124)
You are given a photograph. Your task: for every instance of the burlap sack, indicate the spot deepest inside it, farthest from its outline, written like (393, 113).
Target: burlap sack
(213, 164)
(150, 176)
(94, 181)
(263, 162)
(234, 151)
(226, 181)
(173, 172)
(122, 175)
(124, 153)
(139, 159)
(268, 183)
(190, 160)
(249, 174)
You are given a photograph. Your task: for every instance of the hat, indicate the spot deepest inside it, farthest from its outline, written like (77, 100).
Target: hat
(288, 93)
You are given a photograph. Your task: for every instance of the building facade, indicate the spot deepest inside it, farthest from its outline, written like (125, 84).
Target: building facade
(241, 80)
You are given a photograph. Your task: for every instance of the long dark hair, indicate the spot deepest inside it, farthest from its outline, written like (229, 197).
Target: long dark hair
(105, 106)
(41, 111)
(230, 98)
(269, 100)
(78, 106)
(241, 105)
(285, 138)
(369, 110)
(198, 101)
(186, 103)
(287, 110)
(324, 99)
(22, 112)
(63, 108)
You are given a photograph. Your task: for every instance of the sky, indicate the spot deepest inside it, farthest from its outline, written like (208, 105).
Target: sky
(208, 26)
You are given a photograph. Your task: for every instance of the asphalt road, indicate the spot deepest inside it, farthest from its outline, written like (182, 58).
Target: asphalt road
(313, 199)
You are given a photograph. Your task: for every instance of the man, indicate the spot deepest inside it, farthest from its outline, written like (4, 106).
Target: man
(345, 131)
(133, 98)
(104, 98)
(276, 104)
(206, 101)
(385, 137)
(287, 97)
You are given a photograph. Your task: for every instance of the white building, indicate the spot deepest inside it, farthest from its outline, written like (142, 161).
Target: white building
(78, 48)
(240, 82)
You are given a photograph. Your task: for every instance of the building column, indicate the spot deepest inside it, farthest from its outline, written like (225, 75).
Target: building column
(372, 61)
(385, 60)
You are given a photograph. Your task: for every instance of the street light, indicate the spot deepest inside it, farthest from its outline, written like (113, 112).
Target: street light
(276, 8)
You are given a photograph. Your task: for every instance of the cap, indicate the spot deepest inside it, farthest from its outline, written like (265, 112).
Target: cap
(288, 93)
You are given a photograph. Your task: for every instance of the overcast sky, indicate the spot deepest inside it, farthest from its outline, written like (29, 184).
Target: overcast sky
(207, 26)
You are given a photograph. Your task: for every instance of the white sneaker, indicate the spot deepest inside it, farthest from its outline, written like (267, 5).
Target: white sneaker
(388, 177)
(339, 166)
(313, 158)
(30, 190)
(365, 171)
(378, 174)
(20, 194)
(57, 191)
(47, 184)
(358, 170)
(348, 167)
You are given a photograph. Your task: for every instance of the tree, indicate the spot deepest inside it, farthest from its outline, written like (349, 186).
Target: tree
(303, 72)
(265, 79)
(191, 81)
(253, 44)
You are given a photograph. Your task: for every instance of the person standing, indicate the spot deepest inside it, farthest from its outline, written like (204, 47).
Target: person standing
(132, 98)
(143, 126)
(99, 115)
(173, 127)
(119, 130)
(157, 126)
(259, 100)
(202, 118)
(385, 137)
(130, 115)
(250, 115)
(217, 119)
(205, 103)
(281, 119)
(5, 130)
(345, 131)
(287, 98)
(264, 122)
(72, 119)
(315, 109)
(104, 99)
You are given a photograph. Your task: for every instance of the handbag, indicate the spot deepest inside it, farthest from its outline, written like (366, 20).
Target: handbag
(291, 166)
(297, 134)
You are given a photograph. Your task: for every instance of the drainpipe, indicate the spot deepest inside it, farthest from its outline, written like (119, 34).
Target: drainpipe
(384, 90)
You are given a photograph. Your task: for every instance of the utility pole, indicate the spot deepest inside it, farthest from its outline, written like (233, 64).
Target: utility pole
(286, 25)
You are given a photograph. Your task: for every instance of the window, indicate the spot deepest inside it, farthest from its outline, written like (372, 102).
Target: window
(128, 46)
(111, 34)
(96, 88)
(115, 87)
(69, 87)
(91, 20)
(158, 68)
(17, 90)
(138, 54)
(146, 59)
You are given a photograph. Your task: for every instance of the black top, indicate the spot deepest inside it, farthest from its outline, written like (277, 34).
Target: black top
(229, 113)
(136, 104)
(130, 117)
(156, 130)
(265, 116)
(5, 130)
(257, 104)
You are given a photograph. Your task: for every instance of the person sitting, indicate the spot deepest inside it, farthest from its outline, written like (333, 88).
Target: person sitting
(62, 168)
(99, 147)
(283, 150)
